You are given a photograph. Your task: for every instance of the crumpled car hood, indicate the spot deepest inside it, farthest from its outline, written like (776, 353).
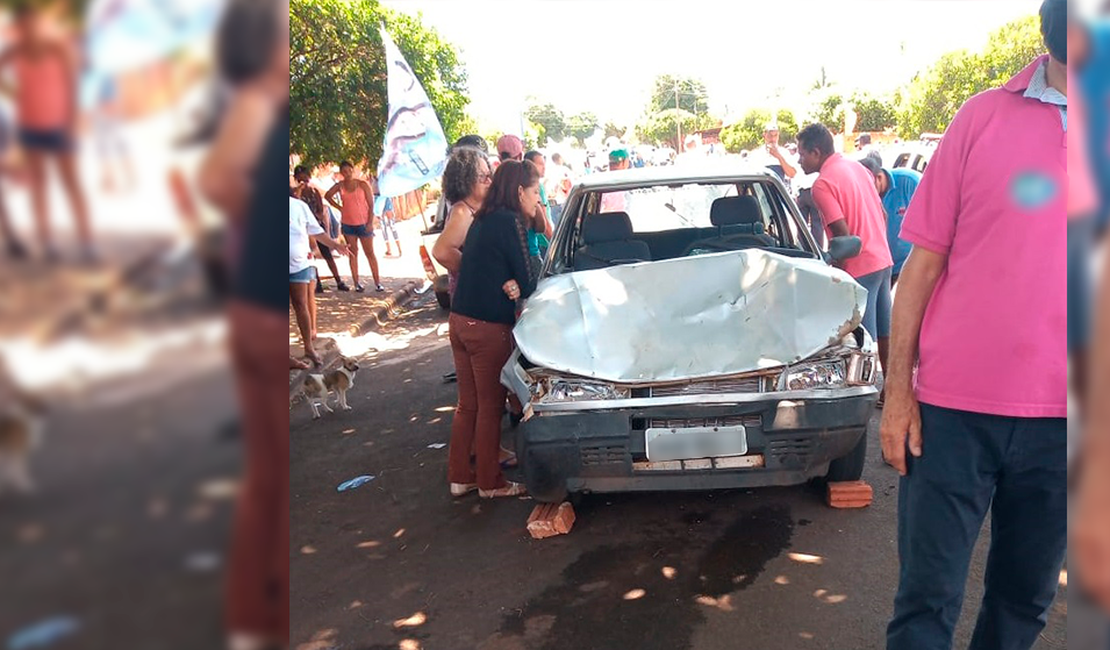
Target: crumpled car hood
(688, 318)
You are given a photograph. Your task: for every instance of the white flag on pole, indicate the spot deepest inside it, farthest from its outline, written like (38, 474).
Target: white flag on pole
(415, 149)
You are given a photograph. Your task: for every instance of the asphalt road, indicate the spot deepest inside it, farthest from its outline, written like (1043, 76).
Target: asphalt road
(128, 531)
(768, 568)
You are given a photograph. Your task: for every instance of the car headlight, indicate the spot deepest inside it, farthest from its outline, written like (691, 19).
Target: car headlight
(815, 376)
(574, 390)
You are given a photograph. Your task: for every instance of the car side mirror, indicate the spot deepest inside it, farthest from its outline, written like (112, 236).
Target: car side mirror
(842, 248)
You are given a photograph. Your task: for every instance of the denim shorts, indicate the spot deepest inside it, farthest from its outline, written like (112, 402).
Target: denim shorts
(304, 276)
(50, 140)
(357, 231)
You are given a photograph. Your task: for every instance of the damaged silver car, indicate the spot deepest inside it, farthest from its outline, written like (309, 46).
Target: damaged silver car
(688, 333)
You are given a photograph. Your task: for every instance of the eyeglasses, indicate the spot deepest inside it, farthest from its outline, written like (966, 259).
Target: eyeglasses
(485, 178)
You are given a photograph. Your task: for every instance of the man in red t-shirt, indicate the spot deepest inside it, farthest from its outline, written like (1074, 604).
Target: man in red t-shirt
(849, 204)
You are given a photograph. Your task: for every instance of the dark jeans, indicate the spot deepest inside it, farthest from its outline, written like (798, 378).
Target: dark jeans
(1017, 467)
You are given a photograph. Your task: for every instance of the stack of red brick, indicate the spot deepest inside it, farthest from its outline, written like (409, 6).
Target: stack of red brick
(849, 494)
(550, 519)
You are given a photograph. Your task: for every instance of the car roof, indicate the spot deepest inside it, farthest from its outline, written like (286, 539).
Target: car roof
(714, 172)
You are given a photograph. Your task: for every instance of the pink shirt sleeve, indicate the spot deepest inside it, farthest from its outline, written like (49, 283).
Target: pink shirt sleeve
(827, 204)
(932, 214)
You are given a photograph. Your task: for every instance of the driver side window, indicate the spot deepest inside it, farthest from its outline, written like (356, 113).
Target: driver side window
(770, 224)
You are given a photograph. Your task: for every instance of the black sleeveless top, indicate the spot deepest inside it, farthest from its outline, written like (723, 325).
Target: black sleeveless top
(262, 270)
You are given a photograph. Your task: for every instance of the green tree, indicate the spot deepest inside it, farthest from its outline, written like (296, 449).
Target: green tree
(935, 94)
(874, 114)
(689, 92)
(830, 112)
(662, 128)
(748, 132)
(612, 130)
(582, 126)
(337, 82)
(549, 119)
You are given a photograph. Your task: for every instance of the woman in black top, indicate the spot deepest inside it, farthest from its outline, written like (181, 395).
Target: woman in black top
(494, 275)
(246, 173)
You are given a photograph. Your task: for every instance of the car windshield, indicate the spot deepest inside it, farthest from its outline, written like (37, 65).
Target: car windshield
(675, 219)
(660, 208)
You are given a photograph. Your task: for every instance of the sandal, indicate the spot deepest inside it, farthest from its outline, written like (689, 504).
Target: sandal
(462, 489)
(510, 490)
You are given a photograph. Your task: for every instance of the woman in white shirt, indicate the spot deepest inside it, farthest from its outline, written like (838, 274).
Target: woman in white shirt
(304, 230)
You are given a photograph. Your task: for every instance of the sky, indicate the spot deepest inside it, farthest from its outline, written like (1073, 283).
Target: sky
(603, 55)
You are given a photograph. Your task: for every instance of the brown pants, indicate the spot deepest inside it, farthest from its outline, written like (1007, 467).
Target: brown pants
(258, 568)
(481, 350)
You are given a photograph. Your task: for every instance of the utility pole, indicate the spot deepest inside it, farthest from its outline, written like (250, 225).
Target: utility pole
(677, 117)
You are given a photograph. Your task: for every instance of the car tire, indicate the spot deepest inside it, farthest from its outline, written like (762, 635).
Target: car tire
(444, 299)
(849, 467)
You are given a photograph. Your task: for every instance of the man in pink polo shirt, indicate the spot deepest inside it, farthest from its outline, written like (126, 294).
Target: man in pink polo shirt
(849, 204)
(981, 312)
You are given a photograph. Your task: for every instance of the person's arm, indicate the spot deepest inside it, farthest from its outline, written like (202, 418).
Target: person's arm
(333, 244)
(69, 63)
(930, 225)
(829, 208)
(225, 176)
(318, 234)
(787, 168)
(516, 254)
(330, 197)
(448, 248)
(1090, 534)
(839, 228)
(540, 223)
(901, 413)
(6, 58)
(368, 192)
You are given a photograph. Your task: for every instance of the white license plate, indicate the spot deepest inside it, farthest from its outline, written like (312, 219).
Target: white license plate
(695, 442)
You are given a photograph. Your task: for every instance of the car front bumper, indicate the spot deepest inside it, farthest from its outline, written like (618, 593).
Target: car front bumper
(791, 438)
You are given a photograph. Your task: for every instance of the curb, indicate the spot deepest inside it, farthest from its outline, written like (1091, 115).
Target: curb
(329, 351)
(382, 314)
(328, 348)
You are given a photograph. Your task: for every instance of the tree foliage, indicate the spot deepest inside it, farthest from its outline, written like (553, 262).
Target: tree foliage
(582, 126)
(337, 82)
(662, 128)
(934, 95)
(692, 96)
(748, 132)
(550, 120)
(676, 102)
(875, 114)
(613, 130)
(830, 112)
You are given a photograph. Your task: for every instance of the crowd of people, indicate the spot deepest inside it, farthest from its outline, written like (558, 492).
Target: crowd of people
(977, 307)
(964, 305)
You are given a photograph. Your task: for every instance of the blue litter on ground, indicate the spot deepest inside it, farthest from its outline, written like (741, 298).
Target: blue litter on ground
(43, 634)
(358, 481)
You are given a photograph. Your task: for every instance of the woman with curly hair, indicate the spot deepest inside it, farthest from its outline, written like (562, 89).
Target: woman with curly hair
(466, 179)
(493, 277)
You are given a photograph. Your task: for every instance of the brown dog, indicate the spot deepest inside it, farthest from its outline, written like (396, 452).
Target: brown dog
(320, 386)
(22, 421)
